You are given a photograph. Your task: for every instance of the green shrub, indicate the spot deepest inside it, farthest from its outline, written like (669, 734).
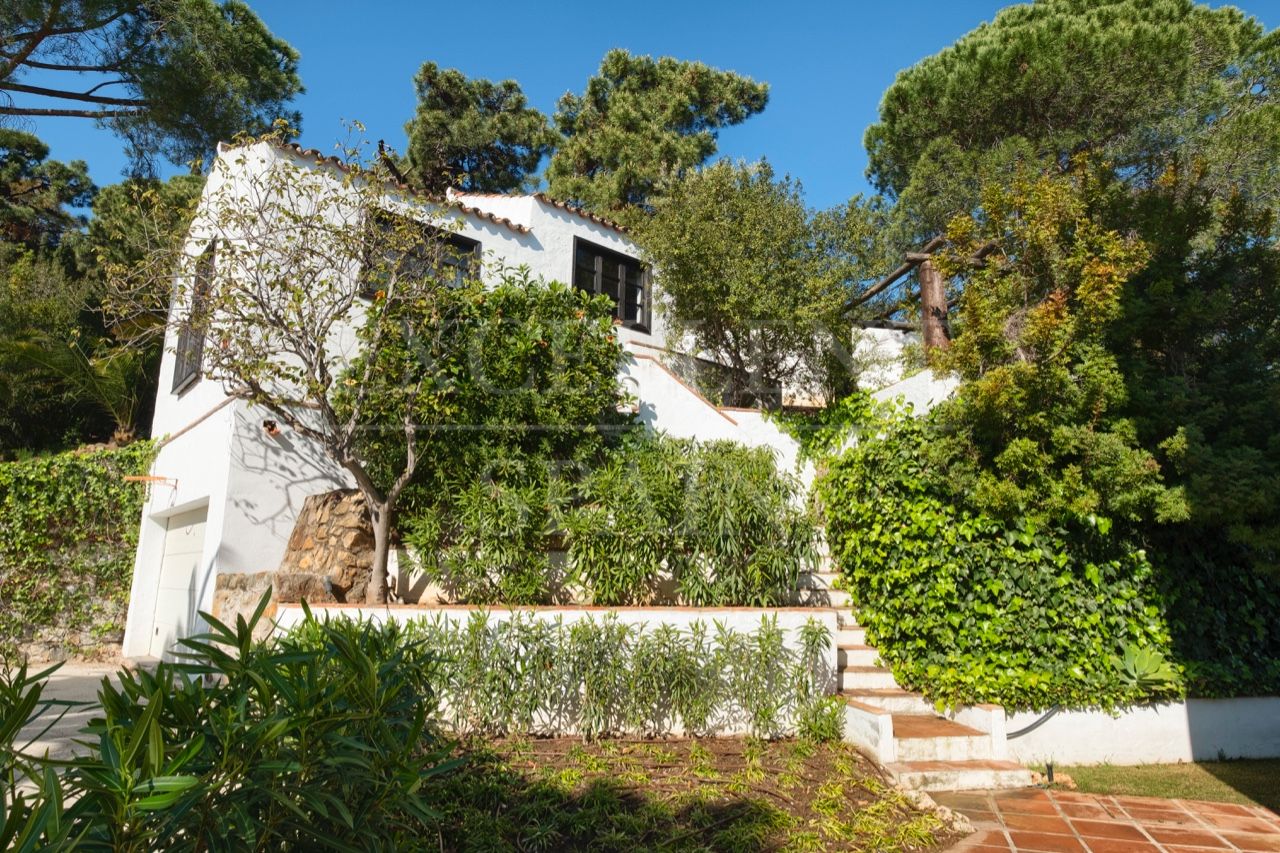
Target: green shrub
(969, 607)
(327, 744)
(598, 677)
(716, 519)
(68, 530)
(717, 522)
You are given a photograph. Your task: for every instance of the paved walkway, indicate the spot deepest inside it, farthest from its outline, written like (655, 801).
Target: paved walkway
(73, 682)
(1033, 819)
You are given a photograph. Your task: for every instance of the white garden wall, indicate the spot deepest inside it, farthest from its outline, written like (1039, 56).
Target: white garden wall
(1195, 730)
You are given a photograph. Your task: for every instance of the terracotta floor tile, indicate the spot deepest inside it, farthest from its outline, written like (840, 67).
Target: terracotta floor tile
(1220, 808)
(1051, 824)
(1107, 829)
(1179, 848)
(1269, 842)
(1034, 842)
(1025, 806)
(1116, 845)
(978, 817)
(1185, 837)
(983, 842)
(1073, 797)
(1234, 823)
(1090, 810)
(1167, 817)
(962, 801)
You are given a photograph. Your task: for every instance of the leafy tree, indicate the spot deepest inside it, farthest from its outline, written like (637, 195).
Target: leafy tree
(171, 77)
(1177, 102)
(732, 244)
(40, 301)
(1142, 83)
(476, 135)
(132, 218)
(35, 192)
(1040, 413)
(640, 122)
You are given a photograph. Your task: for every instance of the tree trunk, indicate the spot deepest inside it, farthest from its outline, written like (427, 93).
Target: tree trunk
(933, 308)
(380, 518)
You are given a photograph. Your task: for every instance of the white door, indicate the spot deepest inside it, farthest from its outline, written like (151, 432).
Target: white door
(176, 602)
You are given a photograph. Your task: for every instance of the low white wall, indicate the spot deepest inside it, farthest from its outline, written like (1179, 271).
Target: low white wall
(1195, 730)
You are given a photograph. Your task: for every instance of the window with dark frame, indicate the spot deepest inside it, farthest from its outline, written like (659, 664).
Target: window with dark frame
(623, 279)
(458, 261)
(190, 350)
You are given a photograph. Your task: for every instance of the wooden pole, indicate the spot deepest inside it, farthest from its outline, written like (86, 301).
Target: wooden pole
(933, 307)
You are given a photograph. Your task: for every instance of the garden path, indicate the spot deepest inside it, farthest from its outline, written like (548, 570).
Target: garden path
(1034, 819)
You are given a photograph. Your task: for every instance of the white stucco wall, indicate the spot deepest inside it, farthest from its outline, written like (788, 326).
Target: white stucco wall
(1195, 730)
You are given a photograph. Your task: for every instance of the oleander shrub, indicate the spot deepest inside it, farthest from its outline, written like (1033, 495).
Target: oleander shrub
(654, 518)
(324, 745)
(717, 521)
(68, 530)
(597, 677)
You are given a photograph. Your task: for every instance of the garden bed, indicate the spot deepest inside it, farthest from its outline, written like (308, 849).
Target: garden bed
(708, 794)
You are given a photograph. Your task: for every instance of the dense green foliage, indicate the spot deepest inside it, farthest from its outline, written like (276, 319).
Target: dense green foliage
(475, 135)
(326, 739)
(641, 122)
(246, 745)
(740, 276)
(173, 76)
(651, 520)
(68, 529)
(36, 191)
(518, 675)
(1142, 83)
(970, 608)
(718, 522)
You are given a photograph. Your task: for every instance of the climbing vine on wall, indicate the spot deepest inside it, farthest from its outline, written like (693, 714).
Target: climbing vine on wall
(68, 529)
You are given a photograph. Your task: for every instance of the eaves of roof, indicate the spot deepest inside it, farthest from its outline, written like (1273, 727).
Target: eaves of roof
(321, 159)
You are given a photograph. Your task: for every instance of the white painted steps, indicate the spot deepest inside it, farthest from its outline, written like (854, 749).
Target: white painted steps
(901, 729)
(959, 775)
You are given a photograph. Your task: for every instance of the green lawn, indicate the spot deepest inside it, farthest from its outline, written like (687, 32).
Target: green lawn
(1251, 782)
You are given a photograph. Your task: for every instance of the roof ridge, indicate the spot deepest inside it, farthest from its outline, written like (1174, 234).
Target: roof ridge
(333, 160)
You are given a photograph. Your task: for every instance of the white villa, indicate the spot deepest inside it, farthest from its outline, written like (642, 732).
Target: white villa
(225, 492)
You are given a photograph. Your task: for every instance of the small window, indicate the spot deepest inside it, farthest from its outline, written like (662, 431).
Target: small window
(441, 254)
(624, 280)
(190, 349)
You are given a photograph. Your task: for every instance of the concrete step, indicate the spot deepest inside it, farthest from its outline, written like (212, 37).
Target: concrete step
(925, 737)
(856, 655)
(892, 699)
(851, 636)
(959, 775)
(865, 678)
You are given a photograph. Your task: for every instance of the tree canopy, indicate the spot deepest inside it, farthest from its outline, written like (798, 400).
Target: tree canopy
(35, 192)
(1144, 84)
(172, 77)
(476, 135)
(732, 245)
(641, 121)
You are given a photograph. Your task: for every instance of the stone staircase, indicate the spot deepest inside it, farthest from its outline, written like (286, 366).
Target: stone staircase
(922, 749)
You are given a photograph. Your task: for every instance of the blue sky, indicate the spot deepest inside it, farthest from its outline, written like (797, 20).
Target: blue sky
(826, 63)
